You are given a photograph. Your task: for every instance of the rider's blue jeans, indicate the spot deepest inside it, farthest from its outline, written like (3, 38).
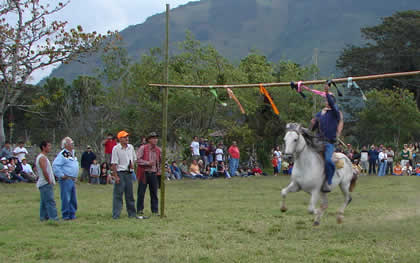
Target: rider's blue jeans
(329, 164)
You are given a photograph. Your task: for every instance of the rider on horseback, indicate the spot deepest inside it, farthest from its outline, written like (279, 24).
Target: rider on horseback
(329, 123)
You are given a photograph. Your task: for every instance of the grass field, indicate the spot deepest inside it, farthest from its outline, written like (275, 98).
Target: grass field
(237, 220)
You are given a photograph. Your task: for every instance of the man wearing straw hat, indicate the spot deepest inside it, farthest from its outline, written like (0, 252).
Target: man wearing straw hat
(149, 160)
(122, 160)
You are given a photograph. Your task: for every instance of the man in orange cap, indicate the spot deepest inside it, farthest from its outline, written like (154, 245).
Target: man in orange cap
(122, 160)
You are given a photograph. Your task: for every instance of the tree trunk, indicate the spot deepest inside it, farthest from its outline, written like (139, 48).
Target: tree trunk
(2, 133)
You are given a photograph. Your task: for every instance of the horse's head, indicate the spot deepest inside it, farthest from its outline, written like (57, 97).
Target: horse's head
(293, 140)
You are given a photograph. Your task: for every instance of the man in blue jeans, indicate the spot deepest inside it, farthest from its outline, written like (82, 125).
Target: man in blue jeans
(45, 184)
(66, 168)
(329, 123)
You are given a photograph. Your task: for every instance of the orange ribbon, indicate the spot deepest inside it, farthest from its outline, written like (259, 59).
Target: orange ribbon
(233, 97)
(267, 95)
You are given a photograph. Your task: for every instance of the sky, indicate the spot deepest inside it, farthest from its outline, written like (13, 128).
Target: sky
(104, 15)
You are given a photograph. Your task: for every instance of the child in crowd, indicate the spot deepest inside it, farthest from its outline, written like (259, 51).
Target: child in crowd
(417, 169)
(285, 167)
(105, 176)
(398, 169)
(274, 162)
(94, 172)
(407, 169)
(290, 168)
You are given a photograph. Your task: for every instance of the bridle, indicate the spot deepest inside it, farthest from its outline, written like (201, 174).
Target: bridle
(295, 146)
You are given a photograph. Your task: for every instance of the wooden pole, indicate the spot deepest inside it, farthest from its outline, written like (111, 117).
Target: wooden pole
(287, 84)
(164, 118)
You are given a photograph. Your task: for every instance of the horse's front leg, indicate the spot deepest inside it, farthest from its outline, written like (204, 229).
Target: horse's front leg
(320, 212)
(292, 187)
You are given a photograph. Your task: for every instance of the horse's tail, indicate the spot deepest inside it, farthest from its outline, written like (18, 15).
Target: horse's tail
(353, 182)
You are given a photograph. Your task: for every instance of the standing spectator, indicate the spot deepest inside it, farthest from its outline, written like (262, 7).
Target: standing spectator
(364, 160)
(373, 158)
(87, 159)
(390, 160)
(278, 154)
(405, 155)
(195, 148)
(234, 156)
(27, 171)
(66, 168)
(274, 162)
(382, 158)
(204, 147)
(398, 169)
(122, 160)
(94, 172)
(219, 153)
(149, 161)
(410, 158)
(210, 152)
(105, 175)
(20, 152)
(109, 144)
(6, 151)
(45, 184)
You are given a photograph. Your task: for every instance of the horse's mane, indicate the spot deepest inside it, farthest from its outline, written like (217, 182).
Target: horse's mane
(311, 139)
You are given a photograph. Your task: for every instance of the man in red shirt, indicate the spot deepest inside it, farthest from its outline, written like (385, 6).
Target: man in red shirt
(233, 158)
(109, 144)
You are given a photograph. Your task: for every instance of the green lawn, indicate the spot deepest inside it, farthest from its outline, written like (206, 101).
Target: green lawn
(237, 220)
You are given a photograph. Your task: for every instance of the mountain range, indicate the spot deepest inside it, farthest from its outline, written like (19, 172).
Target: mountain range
(304, 31)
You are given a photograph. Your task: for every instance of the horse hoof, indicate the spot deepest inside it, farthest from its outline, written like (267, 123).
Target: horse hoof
(316, 223)
(340, 219)
(283, 209)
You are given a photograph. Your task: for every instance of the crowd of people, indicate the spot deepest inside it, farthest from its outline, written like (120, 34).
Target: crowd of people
(381, 160)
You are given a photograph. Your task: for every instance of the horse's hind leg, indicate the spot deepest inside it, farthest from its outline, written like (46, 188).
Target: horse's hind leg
(320, 212)
(292, 187)
(347, 199)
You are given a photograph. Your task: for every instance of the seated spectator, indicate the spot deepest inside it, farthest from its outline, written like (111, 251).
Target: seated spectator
(195, 170)
(201, 166)
(15, 170)
(417, 171)
(398, 169)
(407, 169)
(168, 173)
(4, 172)
(27, 171)
(175, 171)
(183, 167)
(105, 175)
(222, 170)
(242, 172)
(257, 171)
(94, 172)
(213, 169)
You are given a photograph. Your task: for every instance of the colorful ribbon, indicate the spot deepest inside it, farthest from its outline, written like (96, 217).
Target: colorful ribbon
(351, 83)
(214, 92)
(233, 97)
(317, 92)
(267, 95)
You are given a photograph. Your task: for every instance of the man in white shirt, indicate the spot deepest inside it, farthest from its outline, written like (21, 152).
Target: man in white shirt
(195, 148)
(219, 153)
(122, 160)
(277, 153)
(382, 158)
(364, 160)
(27, 171)
(20, 152)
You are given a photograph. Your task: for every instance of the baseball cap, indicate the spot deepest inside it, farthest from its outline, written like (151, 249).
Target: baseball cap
(122, 134)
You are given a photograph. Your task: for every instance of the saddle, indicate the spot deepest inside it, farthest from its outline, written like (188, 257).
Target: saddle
(337, 158)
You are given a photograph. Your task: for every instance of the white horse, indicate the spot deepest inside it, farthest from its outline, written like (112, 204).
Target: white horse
(308, 172)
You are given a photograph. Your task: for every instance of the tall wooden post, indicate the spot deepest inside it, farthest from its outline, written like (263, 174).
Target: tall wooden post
(164, 118)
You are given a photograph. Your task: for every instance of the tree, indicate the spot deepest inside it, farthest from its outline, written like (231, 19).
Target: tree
(393, 113)
(28, 42)
(392, 46)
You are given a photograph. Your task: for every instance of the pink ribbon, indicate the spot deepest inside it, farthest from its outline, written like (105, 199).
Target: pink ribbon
(317, 92)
